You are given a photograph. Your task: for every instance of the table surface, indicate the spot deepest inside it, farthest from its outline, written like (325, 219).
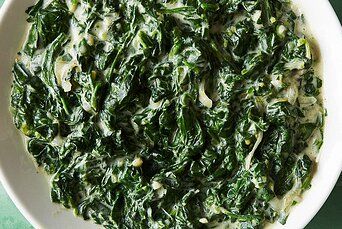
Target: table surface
(328, 217)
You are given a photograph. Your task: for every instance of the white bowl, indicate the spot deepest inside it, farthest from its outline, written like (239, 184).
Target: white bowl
(29, 189)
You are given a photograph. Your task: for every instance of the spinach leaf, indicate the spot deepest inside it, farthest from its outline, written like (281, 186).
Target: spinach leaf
(170, 114)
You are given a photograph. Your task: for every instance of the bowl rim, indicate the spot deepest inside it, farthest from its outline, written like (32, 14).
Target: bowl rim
(6, 6)
(328, 11)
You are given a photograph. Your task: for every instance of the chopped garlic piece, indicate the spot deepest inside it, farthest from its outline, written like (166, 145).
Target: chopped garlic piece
(137, 162)
(90, 39)
(281, 30)
(203, 220)
(72, 5)
(156, 185)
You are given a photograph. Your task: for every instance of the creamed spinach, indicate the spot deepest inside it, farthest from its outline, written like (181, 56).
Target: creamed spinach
(170, 113)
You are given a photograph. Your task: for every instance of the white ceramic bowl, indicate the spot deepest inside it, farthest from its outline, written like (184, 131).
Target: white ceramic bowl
(29, 189)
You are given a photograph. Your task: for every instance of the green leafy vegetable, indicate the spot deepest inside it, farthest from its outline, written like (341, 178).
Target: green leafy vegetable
(170, 114)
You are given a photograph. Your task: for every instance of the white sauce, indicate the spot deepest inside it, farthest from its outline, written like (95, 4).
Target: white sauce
(103, 127)
(202, 96)
(62, 69)
(57, 141)
(249, 157)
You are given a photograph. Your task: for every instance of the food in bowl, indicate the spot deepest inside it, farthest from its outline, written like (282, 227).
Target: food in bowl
(171, 114)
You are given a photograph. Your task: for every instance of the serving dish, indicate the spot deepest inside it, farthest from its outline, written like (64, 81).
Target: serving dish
(29, 190)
